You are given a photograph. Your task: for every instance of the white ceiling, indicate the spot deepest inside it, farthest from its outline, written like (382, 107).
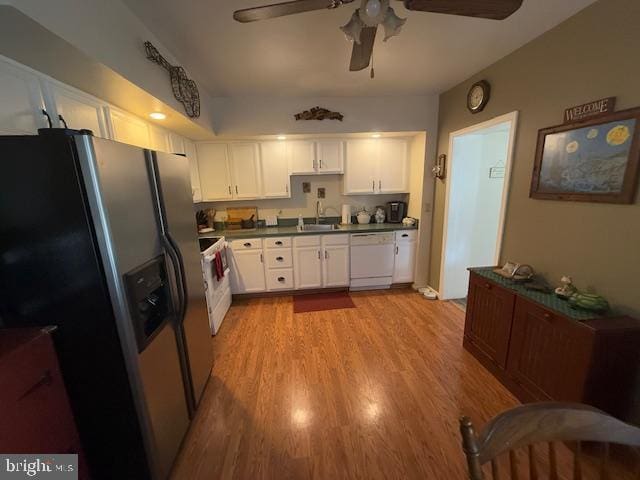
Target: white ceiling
(307, 55)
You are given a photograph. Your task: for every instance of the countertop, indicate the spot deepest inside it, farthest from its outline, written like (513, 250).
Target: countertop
(549, 300)
(293, 231)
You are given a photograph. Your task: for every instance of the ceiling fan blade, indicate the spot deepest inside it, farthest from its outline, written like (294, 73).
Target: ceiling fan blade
(282, 9)
(492, 9)
(361, 54)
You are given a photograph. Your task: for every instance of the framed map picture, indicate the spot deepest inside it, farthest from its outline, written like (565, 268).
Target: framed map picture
(589, 161)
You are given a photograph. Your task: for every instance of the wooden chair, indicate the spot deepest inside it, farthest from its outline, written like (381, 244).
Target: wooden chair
(527, 425)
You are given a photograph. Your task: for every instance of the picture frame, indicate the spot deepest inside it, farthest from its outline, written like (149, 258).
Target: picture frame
(592, 160)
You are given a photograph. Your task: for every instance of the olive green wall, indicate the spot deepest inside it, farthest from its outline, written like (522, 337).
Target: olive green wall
(591, 55)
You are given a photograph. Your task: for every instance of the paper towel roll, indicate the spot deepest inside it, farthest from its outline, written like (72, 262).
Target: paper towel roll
(346, 214)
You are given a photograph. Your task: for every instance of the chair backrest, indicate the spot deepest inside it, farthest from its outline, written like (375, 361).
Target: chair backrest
(549, 422)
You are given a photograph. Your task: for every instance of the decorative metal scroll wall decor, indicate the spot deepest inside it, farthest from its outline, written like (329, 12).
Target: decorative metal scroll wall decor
(317, 113)
(184, 89)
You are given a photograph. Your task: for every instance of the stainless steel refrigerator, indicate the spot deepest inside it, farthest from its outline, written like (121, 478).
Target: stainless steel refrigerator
(99, 238)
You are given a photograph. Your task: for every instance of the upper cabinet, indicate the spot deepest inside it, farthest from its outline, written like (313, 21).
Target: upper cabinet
(20, 99)
(329, 156)
(275, 170)
(76, 109)
(176, 144)
(307, 157)
(375, 166)
(245, 170)
(159, 139)
(214, 173)
(301, 155)
(192, 155)
(127, 128)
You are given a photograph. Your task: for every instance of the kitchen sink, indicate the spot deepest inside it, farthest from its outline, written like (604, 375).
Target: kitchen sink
(314, 227)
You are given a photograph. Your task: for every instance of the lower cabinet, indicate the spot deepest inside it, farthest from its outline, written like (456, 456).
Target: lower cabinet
(488, 321)
(307, 262)
(247, 266)
(543, 354)
(335, 261)
(405, 252)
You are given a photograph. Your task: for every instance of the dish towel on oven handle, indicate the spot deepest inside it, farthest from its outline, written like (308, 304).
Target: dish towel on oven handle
(219, 268)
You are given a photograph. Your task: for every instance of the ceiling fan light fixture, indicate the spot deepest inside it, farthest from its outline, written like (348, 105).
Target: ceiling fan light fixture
(353, 28)
(392, 24)
(373, 8)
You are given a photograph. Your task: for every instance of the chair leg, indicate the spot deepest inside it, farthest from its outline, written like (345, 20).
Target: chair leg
(470, 447)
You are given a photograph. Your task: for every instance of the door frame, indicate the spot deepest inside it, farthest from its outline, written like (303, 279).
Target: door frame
(511, 117)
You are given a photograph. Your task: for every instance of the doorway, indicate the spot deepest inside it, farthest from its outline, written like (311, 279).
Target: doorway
(480, 160)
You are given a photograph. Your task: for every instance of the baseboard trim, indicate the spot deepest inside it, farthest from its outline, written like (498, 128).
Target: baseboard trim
(287, 293)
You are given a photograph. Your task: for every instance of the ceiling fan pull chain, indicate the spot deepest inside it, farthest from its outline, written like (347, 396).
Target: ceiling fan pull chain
(373, 72)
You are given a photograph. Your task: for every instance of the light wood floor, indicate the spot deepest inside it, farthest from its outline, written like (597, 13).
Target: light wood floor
(370, 392)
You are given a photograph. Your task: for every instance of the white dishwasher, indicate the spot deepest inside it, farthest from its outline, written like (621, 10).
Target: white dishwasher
(372, 257)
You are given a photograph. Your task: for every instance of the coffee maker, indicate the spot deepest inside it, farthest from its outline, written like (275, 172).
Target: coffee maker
(396, 211)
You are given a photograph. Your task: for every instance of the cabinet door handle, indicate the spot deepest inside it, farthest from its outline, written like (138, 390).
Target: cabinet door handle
(313, 165)
(397, 249)
(405, 235)
(286, 188)
(319, 255)
(279, 243)
(281, 279)
(487, 286)
(379, 184)
(247, 244)
(279, 259)
(236, 189)
(373, 185)
(326, 254)
(547, 316)
(261, 259)
(45, 380)
(320, 164)
(229, 189)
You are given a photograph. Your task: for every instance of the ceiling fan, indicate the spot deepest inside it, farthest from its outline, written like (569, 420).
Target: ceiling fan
(363, 25)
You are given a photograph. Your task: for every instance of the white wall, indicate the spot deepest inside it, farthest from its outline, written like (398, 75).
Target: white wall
(474, 208)
(239, 116)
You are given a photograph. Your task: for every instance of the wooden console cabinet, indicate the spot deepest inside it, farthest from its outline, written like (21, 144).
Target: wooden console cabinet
(541, 350)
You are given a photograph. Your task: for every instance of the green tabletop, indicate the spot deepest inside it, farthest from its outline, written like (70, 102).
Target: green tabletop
(548, 300)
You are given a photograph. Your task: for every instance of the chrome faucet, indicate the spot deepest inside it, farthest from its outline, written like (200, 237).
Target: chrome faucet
(319, 212)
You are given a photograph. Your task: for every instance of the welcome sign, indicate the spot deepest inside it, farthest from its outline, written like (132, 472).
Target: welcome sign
(589, 110)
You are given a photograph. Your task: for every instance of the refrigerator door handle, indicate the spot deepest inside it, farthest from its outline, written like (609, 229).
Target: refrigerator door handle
(171, 253)
(181, 283)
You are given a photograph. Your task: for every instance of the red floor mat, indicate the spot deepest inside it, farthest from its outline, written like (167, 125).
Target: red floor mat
(317, 302)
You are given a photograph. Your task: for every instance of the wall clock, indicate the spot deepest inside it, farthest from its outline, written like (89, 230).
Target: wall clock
(478, 96)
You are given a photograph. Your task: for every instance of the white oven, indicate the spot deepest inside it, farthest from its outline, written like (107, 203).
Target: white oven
(215, 270)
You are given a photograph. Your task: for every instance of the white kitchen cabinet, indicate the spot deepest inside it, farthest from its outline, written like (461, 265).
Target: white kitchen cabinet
(301, 155)
(393, 166)
(307, 261)
(78, 109)
(159, 139)
(335, 260)
(176, 144)
(375, 166)
(330, 156)
(405, 256)
(247, 270)
(275, 170)
(192, 155)
(127, 128)
(244, 159)
(21, 100)
(361, 169)
(214, 172)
